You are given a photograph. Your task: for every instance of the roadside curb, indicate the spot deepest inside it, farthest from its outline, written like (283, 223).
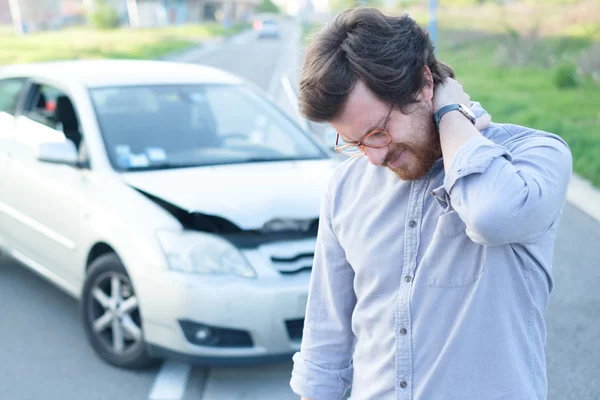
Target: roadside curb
(584, 196)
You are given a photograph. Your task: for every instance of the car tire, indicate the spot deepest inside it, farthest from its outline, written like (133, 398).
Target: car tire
(111, 315)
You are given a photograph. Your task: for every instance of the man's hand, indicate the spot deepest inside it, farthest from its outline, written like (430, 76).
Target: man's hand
(449, 92)
(455, 129)
(452, 92)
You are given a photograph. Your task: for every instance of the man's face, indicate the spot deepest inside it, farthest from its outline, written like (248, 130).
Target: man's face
(415, 143)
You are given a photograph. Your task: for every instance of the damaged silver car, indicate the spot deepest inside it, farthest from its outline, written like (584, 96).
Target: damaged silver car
(175, 201)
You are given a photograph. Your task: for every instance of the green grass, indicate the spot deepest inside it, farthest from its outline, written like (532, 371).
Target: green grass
(78, 43)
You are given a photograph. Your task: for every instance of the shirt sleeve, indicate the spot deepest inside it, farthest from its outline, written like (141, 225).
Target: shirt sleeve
(323, 367)
(509, 197)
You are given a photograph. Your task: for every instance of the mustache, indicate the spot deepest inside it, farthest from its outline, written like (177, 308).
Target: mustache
(393, 153)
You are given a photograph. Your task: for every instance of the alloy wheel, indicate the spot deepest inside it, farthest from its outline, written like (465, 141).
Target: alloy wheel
(114, 313)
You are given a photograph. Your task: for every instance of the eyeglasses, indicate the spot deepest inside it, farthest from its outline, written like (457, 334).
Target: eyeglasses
(378, 138)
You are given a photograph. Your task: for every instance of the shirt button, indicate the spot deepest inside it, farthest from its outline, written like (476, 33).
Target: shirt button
(408, 278)
(403, 384)
(403, 331)
(412, 224)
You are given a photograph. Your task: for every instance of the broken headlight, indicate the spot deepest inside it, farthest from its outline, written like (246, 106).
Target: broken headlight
(202, 253)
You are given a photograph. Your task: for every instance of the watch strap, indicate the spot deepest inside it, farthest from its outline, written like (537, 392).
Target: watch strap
(451, 107)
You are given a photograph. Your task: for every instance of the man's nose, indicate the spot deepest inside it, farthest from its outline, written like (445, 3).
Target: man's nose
(376, 156)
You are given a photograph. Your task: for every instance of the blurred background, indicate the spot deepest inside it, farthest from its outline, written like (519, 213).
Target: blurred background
(528, 62)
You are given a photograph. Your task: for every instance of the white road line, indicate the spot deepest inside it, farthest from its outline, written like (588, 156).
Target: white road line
(293, 99)
(170, 381)
(288, 48)
(585, 196)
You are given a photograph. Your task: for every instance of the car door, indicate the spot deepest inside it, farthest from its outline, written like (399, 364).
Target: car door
(11, 91)
(47, 199)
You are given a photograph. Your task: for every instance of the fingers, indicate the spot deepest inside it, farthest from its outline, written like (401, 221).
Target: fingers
(483, 122)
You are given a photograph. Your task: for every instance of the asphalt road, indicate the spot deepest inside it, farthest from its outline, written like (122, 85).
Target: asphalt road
(44, 353)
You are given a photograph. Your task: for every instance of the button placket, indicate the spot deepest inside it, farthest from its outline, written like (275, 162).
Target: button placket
(404, 356)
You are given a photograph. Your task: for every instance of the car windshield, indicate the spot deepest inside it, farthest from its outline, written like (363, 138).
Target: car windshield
(158, 127)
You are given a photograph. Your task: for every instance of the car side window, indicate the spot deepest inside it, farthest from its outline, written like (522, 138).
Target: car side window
(53, 108)
(10, 92)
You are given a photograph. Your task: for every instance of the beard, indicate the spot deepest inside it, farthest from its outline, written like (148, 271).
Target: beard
(425, 149)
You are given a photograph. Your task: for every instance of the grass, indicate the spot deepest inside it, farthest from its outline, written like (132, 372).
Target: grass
(506, 58)
(81, 42)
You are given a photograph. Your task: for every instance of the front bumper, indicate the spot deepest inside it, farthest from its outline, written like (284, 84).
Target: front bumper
(270, 309)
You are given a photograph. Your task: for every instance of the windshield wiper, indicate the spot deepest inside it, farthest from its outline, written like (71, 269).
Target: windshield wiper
(267, 159)
(154, 167)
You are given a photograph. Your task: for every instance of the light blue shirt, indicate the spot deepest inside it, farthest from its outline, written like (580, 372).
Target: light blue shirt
(436, 289)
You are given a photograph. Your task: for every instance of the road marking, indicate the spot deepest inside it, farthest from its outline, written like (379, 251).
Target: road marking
(288, 47)
(290, 92)
(585, 196)
(170, 381)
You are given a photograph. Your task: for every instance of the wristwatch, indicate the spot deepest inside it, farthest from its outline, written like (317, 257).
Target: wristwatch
(464, 110)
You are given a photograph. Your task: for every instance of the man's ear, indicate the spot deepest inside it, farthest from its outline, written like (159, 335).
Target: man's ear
(426, 92)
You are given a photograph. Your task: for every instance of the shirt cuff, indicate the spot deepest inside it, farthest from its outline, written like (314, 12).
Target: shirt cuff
(474, 156)
(316, 383)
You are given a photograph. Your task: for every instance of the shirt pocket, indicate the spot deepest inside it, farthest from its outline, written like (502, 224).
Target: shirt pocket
(452, 260)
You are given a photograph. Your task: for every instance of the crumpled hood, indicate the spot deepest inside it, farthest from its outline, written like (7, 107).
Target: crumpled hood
(248, 195)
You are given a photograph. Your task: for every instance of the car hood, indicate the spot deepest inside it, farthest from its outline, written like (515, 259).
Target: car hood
(248, 195)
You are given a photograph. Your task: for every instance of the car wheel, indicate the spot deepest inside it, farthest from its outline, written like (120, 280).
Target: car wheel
(111, 314)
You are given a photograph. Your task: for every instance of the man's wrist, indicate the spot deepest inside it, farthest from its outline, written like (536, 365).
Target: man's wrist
(452, 118)
(438, 116)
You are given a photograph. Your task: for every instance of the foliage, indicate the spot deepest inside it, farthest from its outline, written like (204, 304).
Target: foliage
(565, 76)
(340, 5)
(267, 6)
(104, 16)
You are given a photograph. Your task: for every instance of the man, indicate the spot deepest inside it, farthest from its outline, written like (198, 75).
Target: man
(433, 261)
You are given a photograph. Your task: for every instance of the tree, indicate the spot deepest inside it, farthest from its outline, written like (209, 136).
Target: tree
(267, 6)
(339, 5)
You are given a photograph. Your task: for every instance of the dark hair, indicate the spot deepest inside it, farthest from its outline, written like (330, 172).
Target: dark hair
(388, 53)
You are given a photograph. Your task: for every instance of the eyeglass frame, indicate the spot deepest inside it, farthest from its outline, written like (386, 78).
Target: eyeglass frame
(360, 144)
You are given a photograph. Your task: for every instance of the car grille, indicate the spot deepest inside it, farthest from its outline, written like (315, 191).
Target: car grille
(294, 264)
(294, 328)
(290, 257)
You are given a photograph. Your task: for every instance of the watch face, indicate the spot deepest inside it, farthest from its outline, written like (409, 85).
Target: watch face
(465, 110)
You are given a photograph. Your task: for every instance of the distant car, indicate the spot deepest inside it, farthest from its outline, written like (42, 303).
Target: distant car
(175, 201)
(267, 28)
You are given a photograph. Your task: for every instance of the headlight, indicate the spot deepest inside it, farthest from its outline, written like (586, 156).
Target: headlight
(202, 253)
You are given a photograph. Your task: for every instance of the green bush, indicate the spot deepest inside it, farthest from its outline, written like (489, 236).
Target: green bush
(565, 76)
(105, 17)
(267, 6)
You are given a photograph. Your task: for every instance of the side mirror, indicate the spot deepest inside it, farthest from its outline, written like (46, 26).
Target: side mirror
(58, 152)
